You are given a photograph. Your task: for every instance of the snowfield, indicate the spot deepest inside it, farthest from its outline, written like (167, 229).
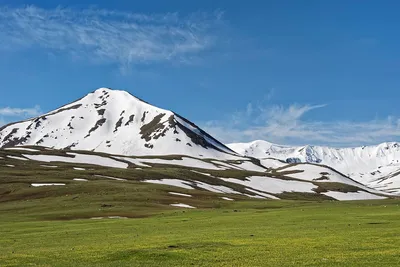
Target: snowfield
(273, 185)
(187, 162)
(360, 195)
(80, 158)
(172, 182)
(367, 165)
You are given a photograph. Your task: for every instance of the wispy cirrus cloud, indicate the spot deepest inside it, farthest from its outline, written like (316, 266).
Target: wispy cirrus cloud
(288, 125)
(110, 36)
(20, 112)
(8, 113)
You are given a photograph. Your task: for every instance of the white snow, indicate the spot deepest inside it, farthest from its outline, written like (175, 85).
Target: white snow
(172, 182)
(133, 161)
(179, 194)
(273, 185)
(187, 162)
(367, 164)
(227, 198)
(311, 172)
(250, 166)
(46, 184)
(80, 179)
(15, 157)
(262, 193)
(109, 177)
(254, 196)
(79, 169)
(181, 205)
(10, 165)
(216, 188)
(229, 166)
(272, 163)
(49, 166)
(80, 158)
(189, 185)
(203, 173)
(22, 149)
(110, 121)
(360, 195)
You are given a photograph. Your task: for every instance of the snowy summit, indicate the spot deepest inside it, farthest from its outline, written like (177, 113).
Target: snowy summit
(116, 122)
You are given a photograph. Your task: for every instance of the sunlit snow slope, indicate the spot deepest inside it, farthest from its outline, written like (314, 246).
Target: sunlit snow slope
(114, 121)
(375, 166)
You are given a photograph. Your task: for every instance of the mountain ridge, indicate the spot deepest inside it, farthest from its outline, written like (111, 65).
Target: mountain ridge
(114, 121)
(369, 165)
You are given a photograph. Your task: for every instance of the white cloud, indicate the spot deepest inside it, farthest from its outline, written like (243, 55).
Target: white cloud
(110, 36)
(20, 112)
(287, 125)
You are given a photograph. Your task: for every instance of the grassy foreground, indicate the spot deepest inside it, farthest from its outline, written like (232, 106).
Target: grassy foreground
(254, 233)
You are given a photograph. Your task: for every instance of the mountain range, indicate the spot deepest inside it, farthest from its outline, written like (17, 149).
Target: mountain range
(376, 166)
(118, 123)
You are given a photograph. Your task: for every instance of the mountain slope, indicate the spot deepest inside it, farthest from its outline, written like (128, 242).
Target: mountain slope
(236, 179)
(375, 166)
(115, 122)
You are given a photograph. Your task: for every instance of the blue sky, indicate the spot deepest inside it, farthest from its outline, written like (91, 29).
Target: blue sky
(289, 72)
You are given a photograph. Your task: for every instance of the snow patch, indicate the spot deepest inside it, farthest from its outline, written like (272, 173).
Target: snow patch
(80, 179)
(181, 205)
(79, 169)
(46, 184)
(49, 166)
(227, 198)
(80, 158)
(216, 188)
(186, 162)
(22, 149)
(109, 177)
(179, 194)
(261, 193)
(15, 157)
(203, 173)
(273, 185)
(359, 195)
(172, 182)
(250, 166)
(133, 161)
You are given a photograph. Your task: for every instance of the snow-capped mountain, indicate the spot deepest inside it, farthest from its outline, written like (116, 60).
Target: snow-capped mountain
(114, 121)
(376, 166)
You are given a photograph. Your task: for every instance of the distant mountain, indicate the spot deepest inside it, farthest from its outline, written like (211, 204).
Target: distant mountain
(375, 166)
(114, 121)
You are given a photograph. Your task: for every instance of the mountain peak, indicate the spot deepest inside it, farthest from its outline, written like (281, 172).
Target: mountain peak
(114, 121)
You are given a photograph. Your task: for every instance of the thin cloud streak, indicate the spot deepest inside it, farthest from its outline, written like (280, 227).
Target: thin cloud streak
(110, 36)
(20, 112)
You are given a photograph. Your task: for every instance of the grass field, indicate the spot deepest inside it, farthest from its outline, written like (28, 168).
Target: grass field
(54, 225)
(248, 233)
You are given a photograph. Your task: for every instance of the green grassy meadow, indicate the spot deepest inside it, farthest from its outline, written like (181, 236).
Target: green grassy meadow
(248, 233)
(55, 225)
